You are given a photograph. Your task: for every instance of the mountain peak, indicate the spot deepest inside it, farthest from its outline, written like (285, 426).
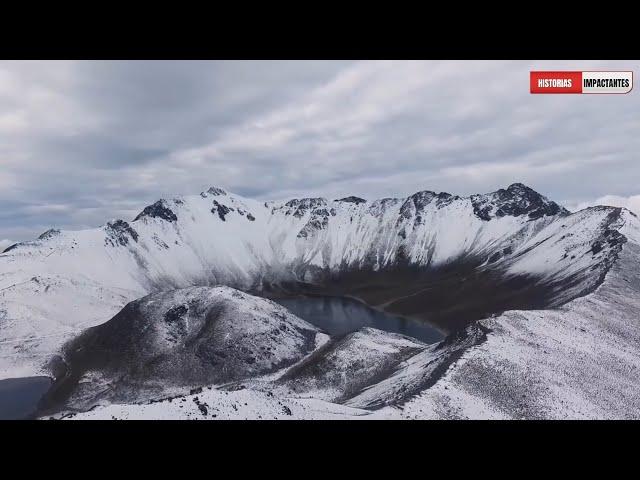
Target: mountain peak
(216, 191)
(351, 199)
(160, 210)
(299, 206)
(515, 187)
(52, 232)
(518, 199)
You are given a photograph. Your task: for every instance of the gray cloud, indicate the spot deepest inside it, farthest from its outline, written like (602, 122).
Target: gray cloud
(83, 142)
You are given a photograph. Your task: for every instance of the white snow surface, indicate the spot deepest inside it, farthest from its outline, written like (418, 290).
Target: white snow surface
(233, 405)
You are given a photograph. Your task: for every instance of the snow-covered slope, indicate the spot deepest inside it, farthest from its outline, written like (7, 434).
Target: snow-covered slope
(199, 346)
(577, 361)
(207, 353)
(65, 281)
(580, 361)
(214, 404)
(344, 366)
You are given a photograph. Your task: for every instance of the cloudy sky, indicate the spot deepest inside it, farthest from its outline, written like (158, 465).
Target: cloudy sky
(84, 142)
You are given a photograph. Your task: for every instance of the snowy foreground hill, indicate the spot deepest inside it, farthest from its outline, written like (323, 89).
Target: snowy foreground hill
(159, 318)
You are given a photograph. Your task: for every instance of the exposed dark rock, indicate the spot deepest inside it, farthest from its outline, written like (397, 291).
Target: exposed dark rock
(221, 210)
(158, 210)
(250, 217)
(306, 202)
(352, 199)
(177, 323)
(52, 232)
(482, 211)
(416, 203)
(203, 409)
(119, 232)
(319, 220)
(516, 200)
(378, 207)
(158, 241)
(216, 191)
(300, 206)
(11, 247)
(176, 313)
(495, 257)
(614, 237)
(444, 199)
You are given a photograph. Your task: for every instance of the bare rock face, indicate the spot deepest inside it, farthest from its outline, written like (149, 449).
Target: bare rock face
(298, 207)
(516, 200)
(120, 233)
(216, 191)
(52, 232)
(319, 220)
(159, 210)
(221, 210)
(352, 199)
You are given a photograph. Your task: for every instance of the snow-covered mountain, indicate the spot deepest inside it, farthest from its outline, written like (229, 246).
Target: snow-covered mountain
(206, 353)
(508, 249)
(166, 344)
(188, 337)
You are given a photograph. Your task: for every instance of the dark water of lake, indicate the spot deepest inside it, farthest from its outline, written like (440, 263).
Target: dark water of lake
(19, 396)
(339, 316)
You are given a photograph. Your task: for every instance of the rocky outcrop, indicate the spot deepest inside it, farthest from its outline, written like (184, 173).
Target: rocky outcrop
(516, 200)
(352, 199)
(119, 232)
(159, 210)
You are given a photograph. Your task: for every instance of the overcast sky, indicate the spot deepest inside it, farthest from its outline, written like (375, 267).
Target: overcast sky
(85, 142)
